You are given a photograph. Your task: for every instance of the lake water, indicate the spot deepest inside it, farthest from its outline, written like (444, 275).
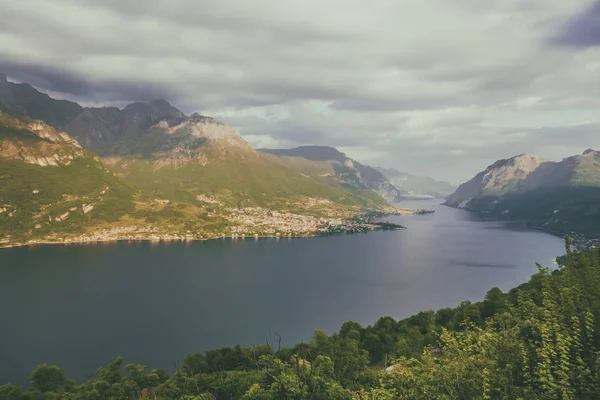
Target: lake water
(79, 306)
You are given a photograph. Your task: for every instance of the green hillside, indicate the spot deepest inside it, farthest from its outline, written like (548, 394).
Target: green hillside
(32, 196)
(190, 187)
(239, 182)
(560, 197)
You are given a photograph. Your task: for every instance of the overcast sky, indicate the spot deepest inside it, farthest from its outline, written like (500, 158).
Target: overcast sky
(436, 87)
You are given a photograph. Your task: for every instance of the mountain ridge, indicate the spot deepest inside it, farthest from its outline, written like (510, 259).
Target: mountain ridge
(553, 195)
(417, 186)
(163, 176)
(346, 169)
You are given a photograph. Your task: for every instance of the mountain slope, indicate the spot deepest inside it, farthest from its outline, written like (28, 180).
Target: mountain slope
(153, 136)
(201, 156)
(171, 176)
(203, 181)
(417, 186)
(49, 185)
(562, 197)
(499, 178)
(345, 169)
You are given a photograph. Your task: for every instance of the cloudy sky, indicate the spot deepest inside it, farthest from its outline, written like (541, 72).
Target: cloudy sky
(437, 87)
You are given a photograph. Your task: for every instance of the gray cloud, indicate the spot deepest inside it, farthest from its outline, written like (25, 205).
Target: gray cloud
(439, 87)
(583, 30)
(54, 79)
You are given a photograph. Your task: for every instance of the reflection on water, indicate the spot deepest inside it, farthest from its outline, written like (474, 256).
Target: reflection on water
(79, 306)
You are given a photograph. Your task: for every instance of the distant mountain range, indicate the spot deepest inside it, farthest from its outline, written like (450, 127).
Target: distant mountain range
(414, 186)
(161, 174)
(389, 183)
(562, 197)
(347, 170)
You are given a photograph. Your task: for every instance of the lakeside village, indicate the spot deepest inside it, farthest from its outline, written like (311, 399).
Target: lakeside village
(248, 222)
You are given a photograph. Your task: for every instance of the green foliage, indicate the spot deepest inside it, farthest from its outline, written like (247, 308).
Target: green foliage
(539, 341)
(47, 378)
(32, 195)
(60, 189)
(561, 210)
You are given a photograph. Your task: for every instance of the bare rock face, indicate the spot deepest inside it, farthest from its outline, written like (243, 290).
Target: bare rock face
(525, 173)
(50, 148)
(109, 130)
(44, 131)
(209, 129)
(504, 173)
(498, 178)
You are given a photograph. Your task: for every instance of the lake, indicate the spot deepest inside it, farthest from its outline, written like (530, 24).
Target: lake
(79, 306)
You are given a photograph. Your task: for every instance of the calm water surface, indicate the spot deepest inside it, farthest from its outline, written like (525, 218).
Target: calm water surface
(79, 306)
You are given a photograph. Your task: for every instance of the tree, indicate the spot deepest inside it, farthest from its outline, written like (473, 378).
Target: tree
(48, 378)
(494, 302)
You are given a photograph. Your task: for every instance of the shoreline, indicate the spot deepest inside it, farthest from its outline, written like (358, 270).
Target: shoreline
(195, 239)
(579, 240)
(361, 227)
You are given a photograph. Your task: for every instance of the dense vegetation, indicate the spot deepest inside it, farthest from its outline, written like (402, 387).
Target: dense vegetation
(540, 340)
(560, 210)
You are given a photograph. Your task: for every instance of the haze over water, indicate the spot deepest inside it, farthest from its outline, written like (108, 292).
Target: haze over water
(79, 306)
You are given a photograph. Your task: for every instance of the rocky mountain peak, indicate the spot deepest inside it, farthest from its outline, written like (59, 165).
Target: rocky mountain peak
(502, 176)
(590, 152)
(524, 162)
(195, 117)
(160, 103)
(162, 109)
(200, 126)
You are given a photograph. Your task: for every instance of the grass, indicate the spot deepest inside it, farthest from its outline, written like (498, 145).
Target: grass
(240, 183)
(60, 189)
(34, 194)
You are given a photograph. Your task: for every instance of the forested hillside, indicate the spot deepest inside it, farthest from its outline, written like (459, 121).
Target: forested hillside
(538, 341)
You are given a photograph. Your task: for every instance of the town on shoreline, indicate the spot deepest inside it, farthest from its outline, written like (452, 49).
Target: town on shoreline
(276, 225)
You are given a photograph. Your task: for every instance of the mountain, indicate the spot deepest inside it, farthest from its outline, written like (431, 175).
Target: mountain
(109, 130)
(50, 185)
(162, 175)
(201, 160)
(417, 186)
(22, 99)
(562, 197)
(201, 180)
(344, 169)
(157, 136)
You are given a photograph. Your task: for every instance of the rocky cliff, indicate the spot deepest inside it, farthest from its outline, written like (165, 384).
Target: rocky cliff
(553, 195)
